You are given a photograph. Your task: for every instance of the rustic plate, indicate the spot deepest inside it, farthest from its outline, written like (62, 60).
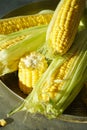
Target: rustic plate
(74, 118)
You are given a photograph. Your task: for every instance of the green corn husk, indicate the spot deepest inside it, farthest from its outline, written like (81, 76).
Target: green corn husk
(77, 75)
(46, 11)
(10, 55)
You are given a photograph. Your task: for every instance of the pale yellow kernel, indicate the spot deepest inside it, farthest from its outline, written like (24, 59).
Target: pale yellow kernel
(3, 122)
(35, 77)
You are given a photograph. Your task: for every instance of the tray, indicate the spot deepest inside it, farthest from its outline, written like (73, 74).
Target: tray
(73, 118)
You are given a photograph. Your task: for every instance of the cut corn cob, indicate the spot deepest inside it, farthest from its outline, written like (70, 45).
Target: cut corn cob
(17, 23)
(31, 68)
(61, 83)
(17, 44)
(64, 25)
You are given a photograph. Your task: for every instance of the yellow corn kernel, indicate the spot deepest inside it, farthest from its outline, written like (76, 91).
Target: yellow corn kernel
(12, 41)
(64, 24)
(52, 87)
(17, 23)
(31, 68)
(2, 122)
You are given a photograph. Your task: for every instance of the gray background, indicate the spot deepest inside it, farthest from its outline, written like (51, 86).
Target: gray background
(8, 5)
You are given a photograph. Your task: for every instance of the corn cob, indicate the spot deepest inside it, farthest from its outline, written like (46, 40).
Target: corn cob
(61, 82)
(64, 25)
(17, 44)
(31, 68)
(41, 18)
(17, 23)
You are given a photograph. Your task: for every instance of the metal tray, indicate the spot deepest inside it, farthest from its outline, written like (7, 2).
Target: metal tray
(73, 118)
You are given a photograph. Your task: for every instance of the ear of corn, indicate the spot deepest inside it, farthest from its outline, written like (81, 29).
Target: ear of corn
(42, 18)
(31, 67)
(17, 23)
(17, 44)
(64, 25)
(61, 83)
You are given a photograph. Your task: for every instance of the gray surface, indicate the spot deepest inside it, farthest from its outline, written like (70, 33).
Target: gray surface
(8, 5)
